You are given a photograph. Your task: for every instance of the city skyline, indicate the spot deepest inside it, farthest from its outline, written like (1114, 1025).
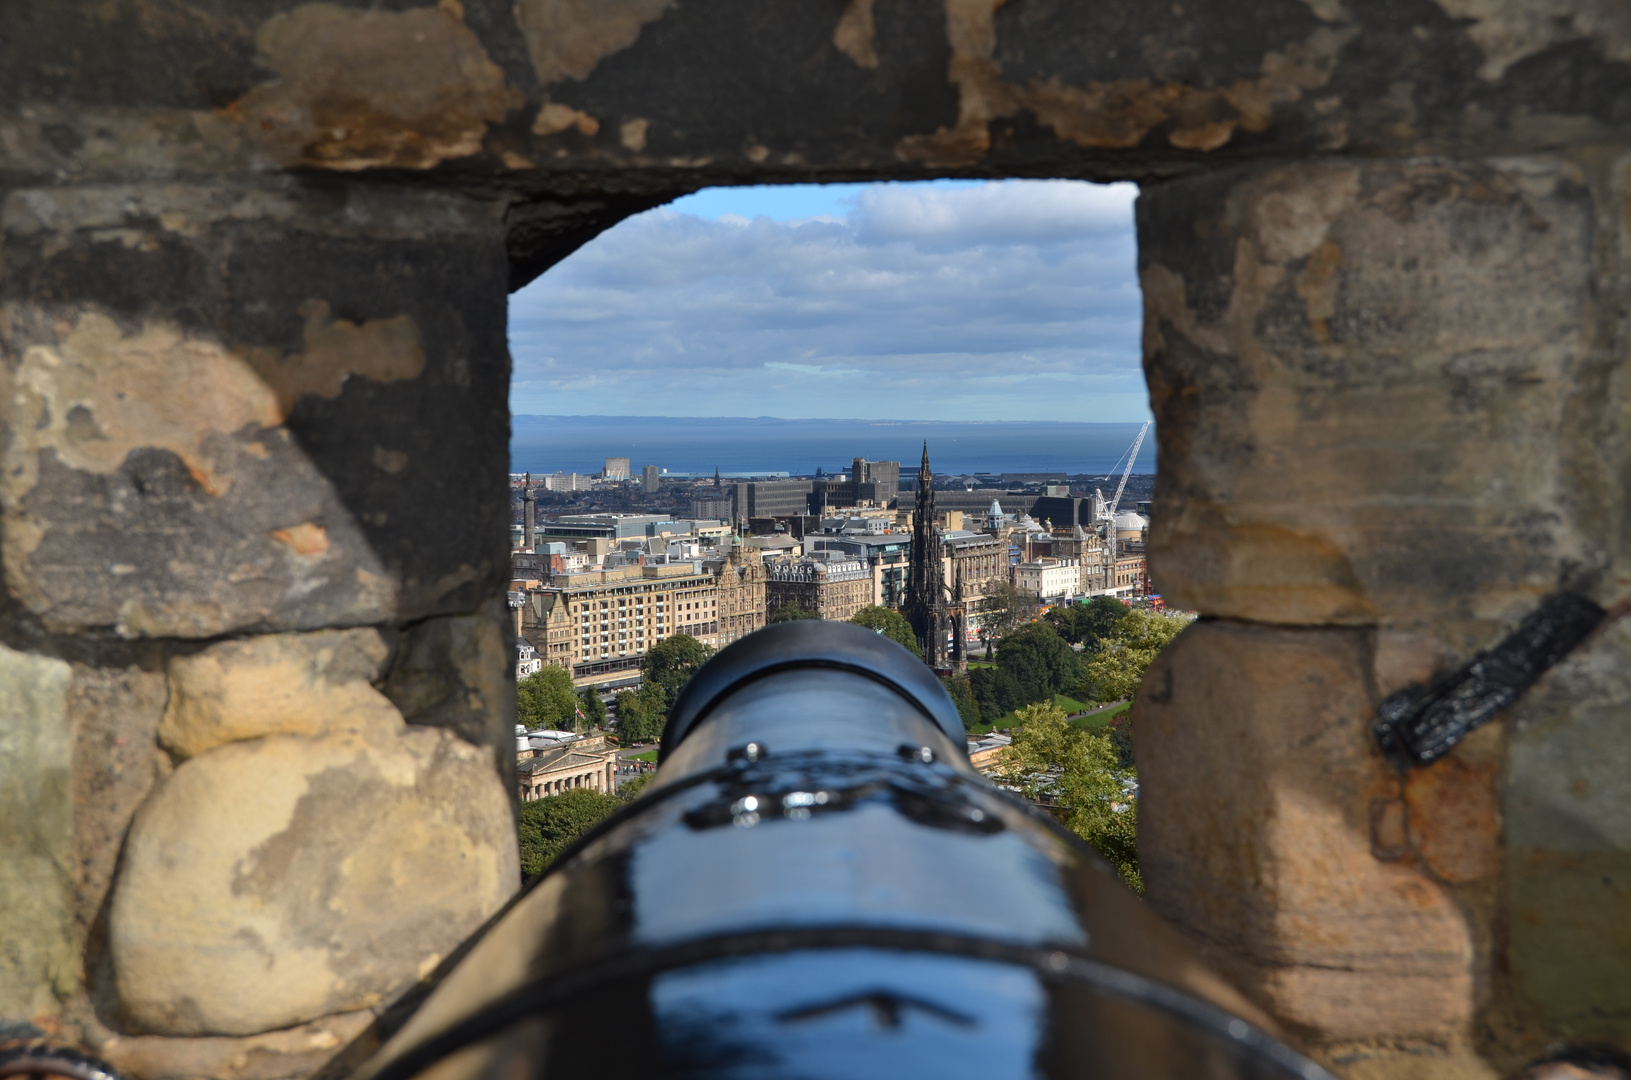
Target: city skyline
(543, 444)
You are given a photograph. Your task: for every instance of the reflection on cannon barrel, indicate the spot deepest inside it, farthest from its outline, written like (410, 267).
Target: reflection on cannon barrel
(817, 884)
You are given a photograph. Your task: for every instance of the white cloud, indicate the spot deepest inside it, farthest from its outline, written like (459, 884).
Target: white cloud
(1002, 213)
(1001, 301)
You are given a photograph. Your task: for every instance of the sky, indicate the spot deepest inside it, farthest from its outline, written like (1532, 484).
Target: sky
(947, 300)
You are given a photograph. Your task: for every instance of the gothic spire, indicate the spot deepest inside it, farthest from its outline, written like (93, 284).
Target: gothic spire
(925, 606)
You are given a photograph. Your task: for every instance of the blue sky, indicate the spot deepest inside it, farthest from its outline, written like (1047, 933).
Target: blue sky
(949, 300)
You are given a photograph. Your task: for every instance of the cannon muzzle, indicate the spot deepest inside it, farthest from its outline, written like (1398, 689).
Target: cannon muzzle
(818, 884)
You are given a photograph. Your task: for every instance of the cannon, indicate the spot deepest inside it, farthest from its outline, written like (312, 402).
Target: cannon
(818, 884)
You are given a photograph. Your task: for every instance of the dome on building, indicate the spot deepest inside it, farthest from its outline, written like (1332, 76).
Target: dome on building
(1130, 526)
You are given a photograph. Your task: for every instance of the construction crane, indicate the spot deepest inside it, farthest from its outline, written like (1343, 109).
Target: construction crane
(1110, 511)
(1132, 456)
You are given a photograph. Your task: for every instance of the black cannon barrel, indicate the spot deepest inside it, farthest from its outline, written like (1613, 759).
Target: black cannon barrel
(818, 884)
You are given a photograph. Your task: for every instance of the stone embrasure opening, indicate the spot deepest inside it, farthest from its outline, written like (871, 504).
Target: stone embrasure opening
(252, 354)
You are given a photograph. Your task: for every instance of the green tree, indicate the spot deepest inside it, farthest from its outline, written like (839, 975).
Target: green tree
(962, 695)
(995, 692)
(1078, 772)
(1033, 664)
(1039, 662)
(547, 826)
(1066, 621)
(593, 709)
(791, 612)
(1120, 732)
(1097, 619)
(1116, 670)
(640, 714)
(547, 699)
(891, 624)
(1005, 609)
(669, 665)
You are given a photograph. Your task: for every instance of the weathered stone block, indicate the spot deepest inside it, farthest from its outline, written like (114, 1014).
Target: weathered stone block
(269, 883)
(275, 1055)
(201, 419)
(36, 835)
(1567, 806)
(1257, 782)
(280, 684)
(456, 673)
(1455, 809)
(1374, 386)
(114, 712)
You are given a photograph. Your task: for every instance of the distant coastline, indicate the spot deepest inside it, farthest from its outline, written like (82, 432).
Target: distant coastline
(766, 444)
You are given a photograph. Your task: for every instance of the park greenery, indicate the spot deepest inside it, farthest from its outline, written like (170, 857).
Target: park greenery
(550, 825)
(1037, 662)
(1003, 610)
(665, 669)
(1078, 774)
(1086, 776)
(962, 695)
(641, 714)
(1032, 664)
(891, 624)
(670, 663)
(593, 709)
(1086, 624)
(1116, 668)
(547, 699)
(790, 612)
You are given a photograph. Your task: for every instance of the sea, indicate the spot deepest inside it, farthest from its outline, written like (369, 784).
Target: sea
(768, 445)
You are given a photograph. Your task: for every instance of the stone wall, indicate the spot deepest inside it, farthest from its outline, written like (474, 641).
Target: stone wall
(253, 262)
(1389, 399)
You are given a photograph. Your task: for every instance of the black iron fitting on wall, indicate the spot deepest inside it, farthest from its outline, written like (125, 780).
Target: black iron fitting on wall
(1417, 726)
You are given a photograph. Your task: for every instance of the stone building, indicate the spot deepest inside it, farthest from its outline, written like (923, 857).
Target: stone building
(1048, 579)
(975, 561)
(252, 321)
(599, 623)
(1131, 572)
(979, 559)
(544, 768)
(885, 554)
(740, 582)
(528, 661)
(617, 468)
(1085, 547)
(836, 588)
